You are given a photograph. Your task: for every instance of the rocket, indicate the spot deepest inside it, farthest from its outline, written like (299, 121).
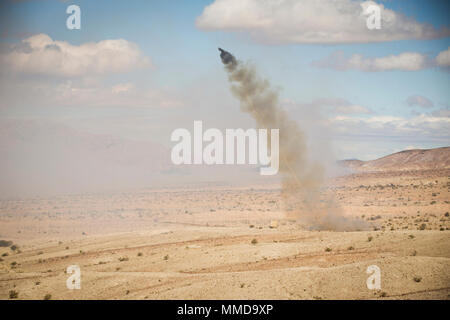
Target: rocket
(226, 57)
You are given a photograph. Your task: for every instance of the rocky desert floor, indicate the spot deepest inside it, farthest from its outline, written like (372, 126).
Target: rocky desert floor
(231, 243)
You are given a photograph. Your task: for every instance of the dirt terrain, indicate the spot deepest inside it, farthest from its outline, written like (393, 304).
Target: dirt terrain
(231, 243)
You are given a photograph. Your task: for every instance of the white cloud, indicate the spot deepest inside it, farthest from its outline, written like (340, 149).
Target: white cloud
(69, 93)
(419, 128)
(443, 58)
(311, 21)
(39, 54)
(334, 105)
(444, 112)
(407, 61)
(418, 100)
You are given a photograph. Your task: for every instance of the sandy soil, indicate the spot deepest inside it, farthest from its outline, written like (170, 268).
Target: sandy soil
(219, 244)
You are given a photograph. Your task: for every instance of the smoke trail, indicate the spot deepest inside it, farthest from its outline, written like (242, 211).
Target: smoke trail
(301, 179)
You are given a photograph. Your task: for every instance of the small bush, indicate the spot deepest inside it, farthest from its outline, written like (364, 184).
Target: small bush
(123, 259)
(166, 257)
(254, 241)
(369, 238)
(5, 243)
(422, 226)
(417, 279)
(139, 254)
(328, 249)
(13, 294)
(350, 248)
(48, 296)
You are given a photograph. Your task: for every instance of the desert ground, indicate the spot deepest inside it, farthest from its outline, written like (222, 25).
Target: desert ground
(231, 243)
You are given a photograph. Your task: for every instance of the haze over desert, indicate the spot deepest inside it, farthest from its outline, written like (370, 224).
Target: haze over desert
(233, 242)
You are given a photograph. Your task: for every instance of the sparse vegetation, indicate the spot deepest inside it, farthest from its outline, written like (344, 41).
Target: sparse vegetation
(254, 241)
(5, 243)
(13, 294)
(327, 249)
(417, 279)
(48, 296)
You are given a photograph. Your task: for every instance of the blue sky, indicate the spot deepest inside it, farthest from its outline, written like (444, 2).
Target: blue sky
(185, 68)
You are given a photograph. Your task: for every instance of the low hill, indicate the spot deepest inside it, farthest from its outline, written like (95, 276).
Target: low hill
(417, 159)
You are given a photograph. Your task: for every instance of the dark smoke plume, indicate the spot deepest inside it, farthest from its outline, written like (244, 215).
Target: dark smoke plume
(302, 179)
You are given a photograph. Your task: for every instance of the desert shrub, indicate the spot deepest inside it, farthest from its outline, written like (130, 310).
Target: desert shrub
(139, 254)
(123, 259)
(327, 249)
(48, 296)
(417, 279)
(422, 226)
(5, 243)
(13, 294)
(166, 257)
(254, 241)
(369, 238)
(350, 248)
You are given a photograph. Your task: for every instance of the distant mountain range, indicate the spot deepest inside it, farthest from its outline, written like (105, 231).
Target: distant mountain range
(416, 159)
